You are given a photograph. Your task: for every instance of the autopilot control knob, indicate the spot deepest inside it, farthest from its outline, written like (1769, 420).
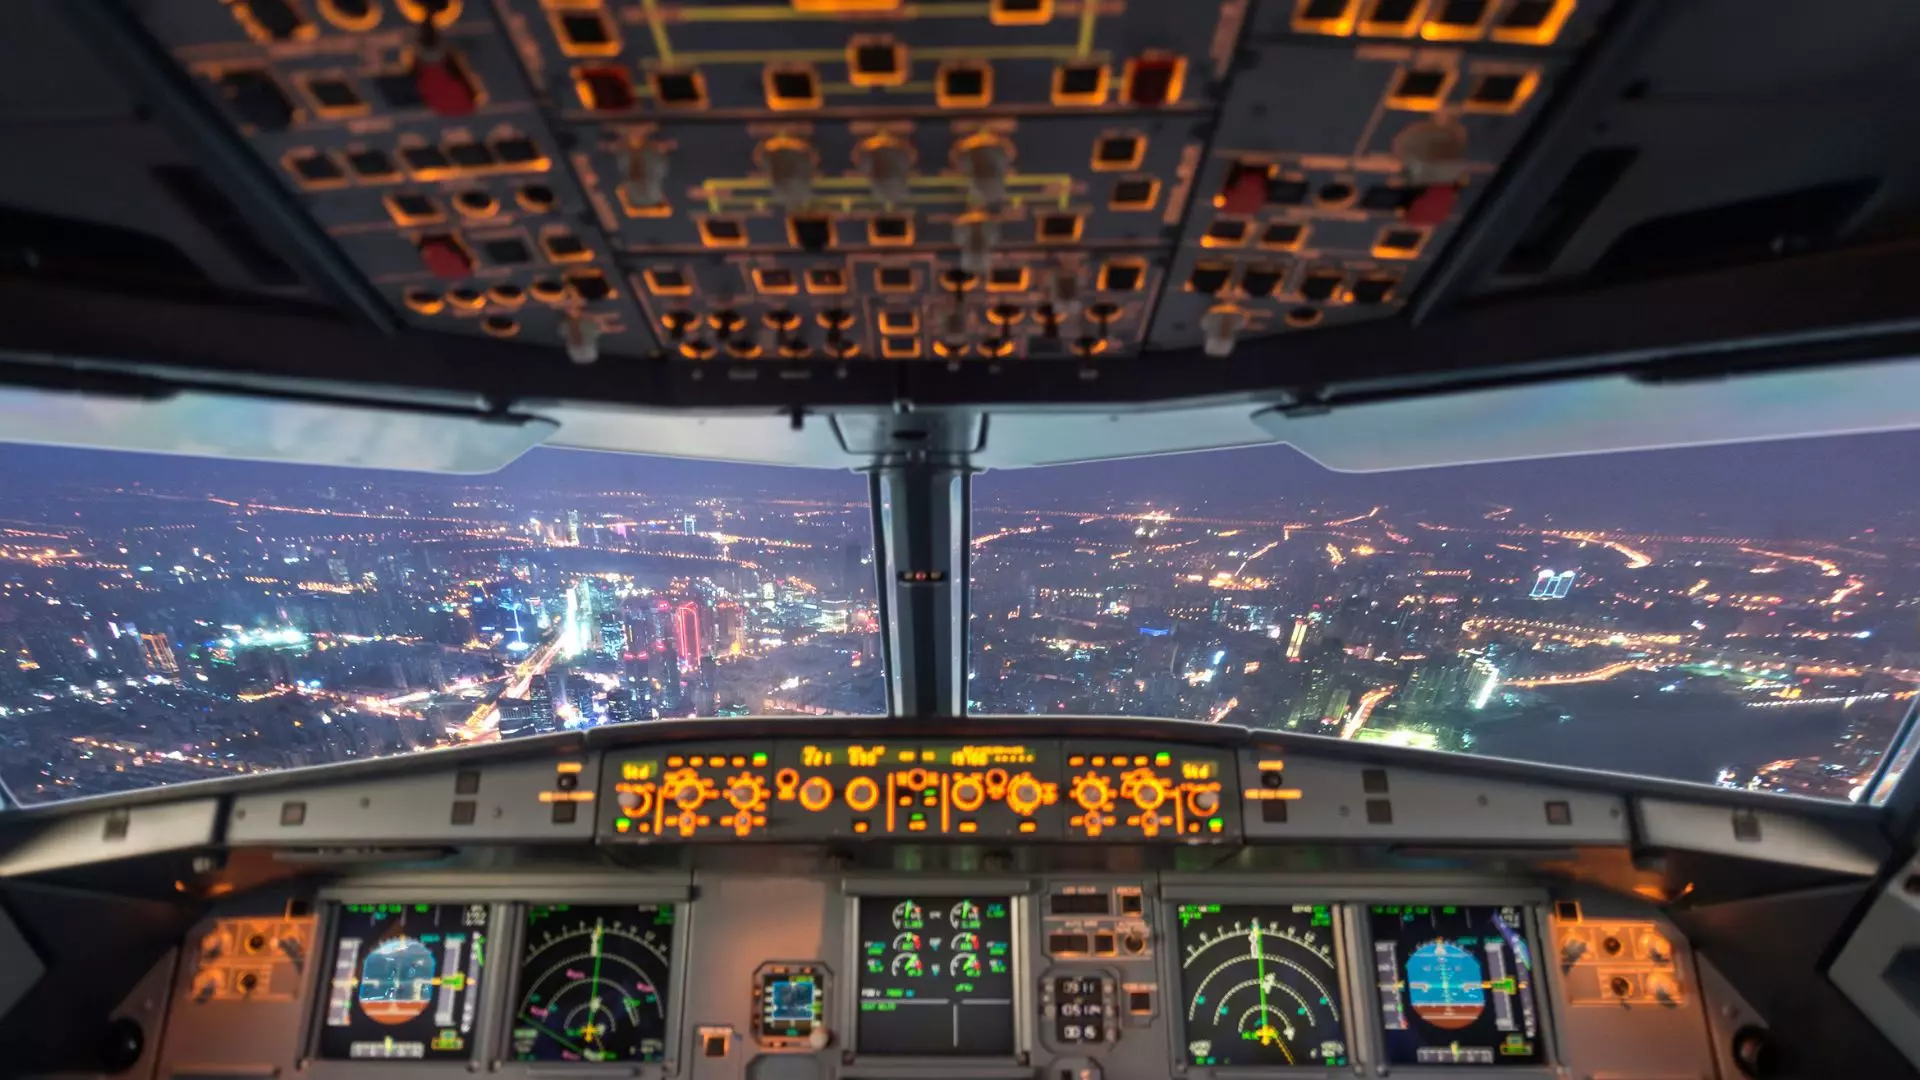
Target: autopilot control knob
(888, 165)
(1023, 795)
(816, 793)
(983, 162)
(1091, 792)
(789, 164)
(646, 175)
(629, 801)
(1204, 802)
(1149, 793)
(689, 797)
(743, 794)
(968, 793)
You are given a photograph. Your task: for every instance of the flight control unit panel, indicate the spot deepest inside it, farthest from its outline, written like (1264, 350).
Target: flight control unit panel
(842, 180)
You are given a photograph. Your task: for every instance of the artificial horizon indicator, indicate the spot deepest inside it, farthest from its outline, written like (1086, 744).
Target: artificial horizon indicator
(404, 982)
(1455, 983)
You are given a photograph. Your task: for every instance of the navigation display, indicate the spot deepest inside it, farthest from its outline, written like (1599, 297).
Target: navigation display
(936, 976)
(593, 983)
(1260, 985)
(405, 982)
(1455, 985)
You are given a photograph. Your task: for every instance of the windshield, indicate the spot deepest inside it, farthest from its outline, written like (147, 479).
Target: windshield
(165, 619)
(1747, 616)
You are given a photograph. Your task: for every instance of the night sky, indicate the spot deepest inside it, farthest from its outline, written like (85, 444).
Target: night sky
(1812, 487)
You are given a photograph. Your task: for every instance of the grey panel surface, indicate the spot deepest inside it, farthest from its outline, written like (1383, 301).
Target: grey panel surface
(1334, 803)
(20, 966)
(102, 835)
(1865, 967)
(1767, 835)
(506, 805)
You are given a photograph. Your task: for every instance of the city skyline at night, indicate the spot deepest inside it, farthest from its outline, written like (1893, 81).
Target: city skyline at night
(1742, 615)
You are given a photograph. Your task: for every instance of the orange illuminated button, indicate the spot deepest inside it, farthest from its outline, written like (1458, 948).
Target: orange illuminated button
(968, 793)
(817, 792)
(1203, 802)
(862, 794)
(1091, 792)
(1149, 793)
(1023, 795)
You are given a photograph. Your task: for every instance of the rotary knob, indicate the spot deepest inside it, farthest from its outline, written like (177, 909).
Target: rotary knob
(1203, 803)
(631, 801)
(1149, 793)
(688, 796)
(1023, 795)
(1656, 947)
(816, 793)
(745, 792)
(1090, 792)
(968, 794)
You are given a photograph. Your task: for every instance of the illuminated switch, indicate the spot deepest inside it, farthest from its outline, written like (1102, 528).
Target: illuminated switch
(1220, 327)
(443, 85)
(1245, 191)
(444, 257)
(888, 163)
(983, 162)
(646, 180)
(789, 164)
(977, 233)
(1433, 205)
(1154, 80)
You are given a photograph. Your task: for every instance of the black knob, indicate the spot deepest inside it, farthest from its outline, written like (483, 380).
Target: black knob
(1754, 1053)
(121, 1044)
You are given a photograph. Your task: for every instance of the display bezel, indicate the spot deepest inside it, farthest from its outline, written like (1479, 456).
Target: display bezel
(515, 939)
(1175, 993)
(1545, 996)
(318, 980)
(1019, 893)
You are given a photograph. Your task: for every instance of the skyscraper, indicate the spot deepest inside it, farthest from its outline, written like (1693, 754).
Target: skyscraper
(159, 654)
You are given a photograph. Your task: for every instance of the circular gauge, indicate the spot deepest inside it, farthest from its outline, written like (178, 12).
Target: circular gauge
(593, 983)
(908, 915)
(965, 941)
(1261, 986)
(906, 942)
(965, 916)
(907, 964)
(964, 965)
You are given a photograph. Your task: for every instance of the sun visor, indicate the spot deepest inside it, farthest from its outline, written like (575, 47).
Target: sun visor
(305, 432)
(1597, 416)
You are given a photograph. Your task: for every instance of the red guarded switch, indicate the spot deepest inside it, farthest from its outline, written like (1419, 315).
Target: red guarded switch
(1245, 191)
(1433, 204)
(443, 84)
(444, 257)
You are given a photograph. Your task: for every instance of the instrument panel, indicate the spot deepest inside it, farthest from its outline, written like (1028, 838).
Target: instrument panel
(663, 978)
(1107, 791)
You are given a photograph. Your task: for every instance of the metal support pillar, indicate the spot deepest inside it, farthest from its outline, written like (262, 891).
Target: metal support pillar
(921, 549)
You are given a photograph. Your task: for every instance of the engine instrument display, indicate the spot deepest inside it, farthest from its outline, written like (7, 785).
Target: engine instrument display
(593, 983)
(936, 976)
(405, 982)
(1260, 985)
(789, 1003)
(1455, 985)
